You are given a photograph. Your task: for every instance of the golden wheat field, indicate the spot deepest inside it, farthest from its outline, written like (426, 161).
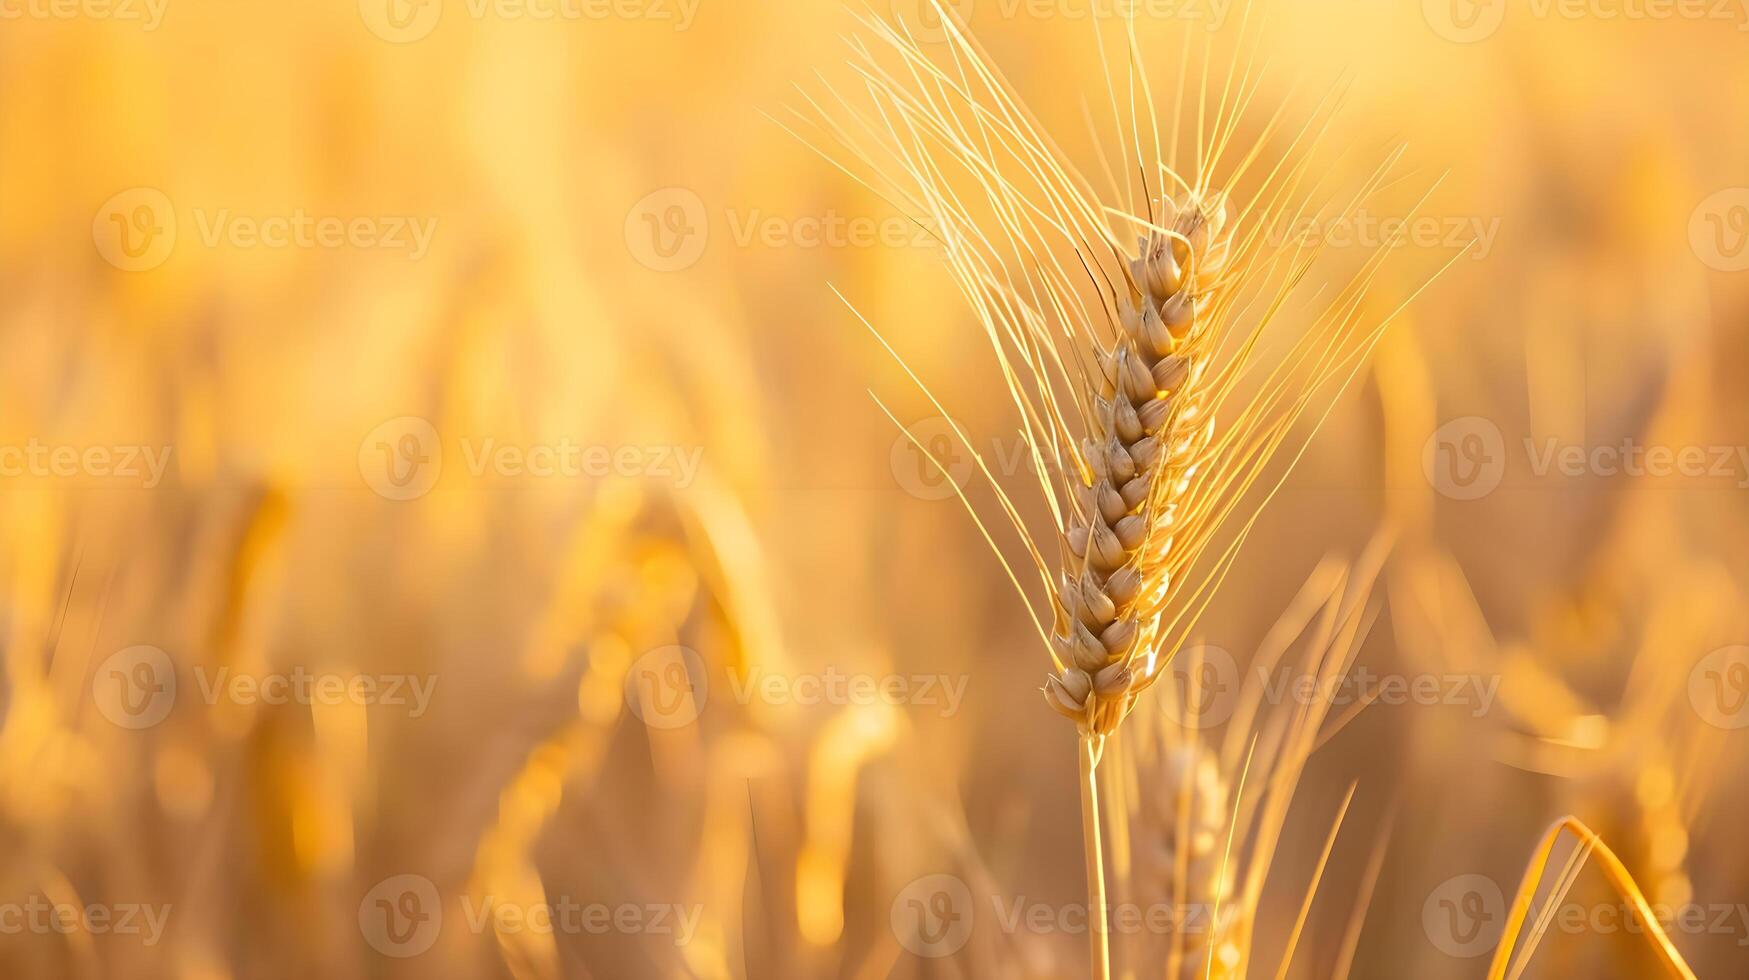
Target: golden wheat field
(774, 489)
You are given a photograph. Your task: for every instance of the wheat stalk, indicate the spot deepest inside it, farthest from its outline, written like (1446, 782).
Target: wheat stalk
(1124, 330)
(1506, 966)
(1209, 814)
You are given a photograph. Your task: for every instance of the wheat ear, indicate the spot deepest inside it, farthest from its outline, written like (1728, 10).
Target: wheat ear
(1124, 333)
(1181, 861)
(1208, 814)
(1148, 434)
(1118, 362)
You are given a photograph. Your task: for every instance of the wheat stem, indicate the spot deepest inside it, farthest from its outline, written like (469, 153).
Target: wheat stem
(1619, 879)
(1099, 946)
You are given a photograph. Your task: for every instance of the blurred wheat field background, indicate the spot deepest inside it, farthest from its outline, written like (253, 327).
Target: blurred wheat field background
(448, 532)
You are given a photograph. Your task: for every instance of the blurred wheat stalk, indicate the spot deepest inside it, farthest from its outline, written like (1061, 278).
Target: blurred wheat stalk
(1206, 817)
